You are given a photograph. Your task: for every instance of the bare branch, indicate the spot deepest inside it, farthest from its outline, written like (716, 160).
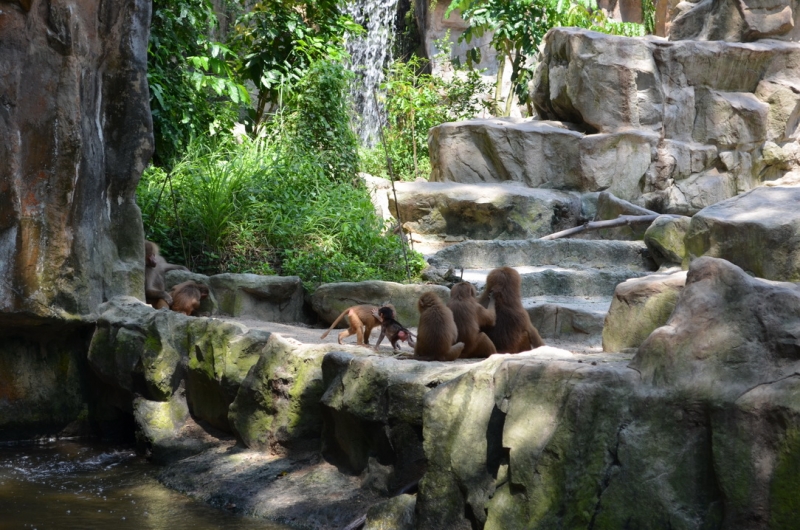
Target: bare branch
(596, 225)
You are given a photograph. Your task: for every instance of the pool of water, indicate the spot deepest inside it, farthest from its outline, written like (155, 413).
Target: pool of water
(67, 485)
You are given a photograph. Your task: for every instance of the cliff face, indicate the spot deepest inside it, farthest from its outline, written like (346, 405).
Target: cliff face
(75, 135)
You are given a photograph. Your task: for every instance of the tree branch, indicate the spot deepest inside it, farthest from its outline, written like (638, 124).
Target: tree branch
(596, 225)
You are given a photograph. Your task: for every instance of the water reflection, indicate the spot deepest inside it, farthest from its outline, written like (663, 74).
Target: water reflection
(69, 485)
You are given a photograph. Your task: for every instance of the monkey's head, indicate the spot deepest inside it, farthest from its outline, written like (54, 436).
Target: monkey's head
(462, 291)
(385, 312)
(504, 281)
(150, 252)
(204, 292)
(427, 301)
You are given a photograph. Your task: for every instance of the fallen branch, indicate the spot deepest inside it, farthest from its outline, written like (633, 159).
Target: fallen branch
(622, 220)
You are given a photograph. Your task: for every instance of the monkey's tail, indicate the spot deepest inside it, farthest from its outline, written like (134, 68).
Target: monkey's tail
(335, 322)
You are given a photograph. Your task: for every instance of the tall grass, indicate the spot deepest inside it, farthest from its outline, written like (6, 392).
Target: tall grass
(271, 205)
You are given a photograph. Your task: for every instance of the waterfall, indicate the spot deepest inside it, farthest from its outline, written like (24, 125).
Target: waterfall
(369, 54)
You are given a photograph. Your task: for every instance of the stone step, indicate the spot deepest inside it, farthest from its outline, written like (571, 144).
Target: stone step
(560, 281)
(579, 318)
(566, 253)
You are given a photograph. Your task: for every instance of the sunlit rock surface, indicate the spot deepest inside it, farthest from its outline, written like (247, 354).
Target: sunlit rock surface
(758, 231)
(671, 126)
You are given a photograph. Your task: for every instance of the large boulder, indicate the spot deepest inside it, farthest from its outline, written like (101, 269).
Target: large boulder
(743, 21)
(483, 211)
(639, 306)
(331, 299)
(72, 152)
(758, 231)
(541, 154)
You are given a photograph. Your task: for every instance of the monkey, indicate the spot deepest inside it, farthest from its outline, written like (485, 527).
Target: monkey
(155, 267)
(186, 297)
(513, 331)
(437, 332)
(392, 328)
(361, 320)
(470, 318)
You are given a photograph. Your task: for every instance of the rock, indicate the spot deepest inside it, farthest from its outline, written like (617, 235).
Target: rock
(373, 405)
(72, 153)
(137, 349)
(379, 190)
(639, 306)
(538, 154)
(43, 383)
(270, 298)
(756, 231)
(714, 125)
(220, 356)
(396, 513)
(161, 430)
(277, 404)
(577, 318)
(728, 333)
(665, 239)
(330, 299)
(455, 212)
(576, 253)
(743, 22)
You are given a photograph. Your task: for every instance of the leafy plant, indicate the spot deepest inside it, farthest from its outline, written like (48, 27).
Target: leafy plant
(194, 92)
(281, 202)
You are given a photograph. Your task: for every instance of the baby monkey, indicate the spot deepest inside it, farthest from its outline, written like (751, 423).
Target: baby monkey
(392, 328)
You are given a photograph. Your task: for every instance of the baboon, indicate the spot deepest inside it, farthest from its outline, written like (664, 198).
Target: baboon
(186, 297)
(155, 267)
(470, 318)
(361, 320)
(512, 331)
(437, 332)
(393, 329)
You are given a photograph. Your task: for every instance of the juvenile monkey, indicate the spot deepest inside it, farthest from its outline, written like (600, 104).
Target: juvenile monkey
(393, 329)
(513, 331)
(361, 320)
(470, 318)
(437, 333)
(155, 268)
(186, 297)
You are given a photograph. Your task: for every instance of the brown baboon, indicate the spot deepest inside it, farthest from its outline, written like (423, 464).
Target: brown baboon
(470, 318)
(437, 332)
(512, 331)
(155, 267)
(393, 329)
(186, 297)
(361, 320)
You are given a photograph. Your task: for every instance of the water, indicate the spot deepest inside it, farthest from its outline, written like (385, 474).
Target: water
(370, 54)
(77, 486)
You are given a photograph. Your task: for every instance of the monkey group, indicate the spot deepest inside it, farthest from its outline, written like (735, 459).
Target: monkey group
(184, 298)
(467, 327)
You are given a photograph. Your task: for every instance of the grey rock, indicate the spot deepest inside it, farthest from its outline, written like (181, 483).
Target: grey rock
(270, 298)
(665, 239)
(639, 306)
(455, 211)
(756, 231)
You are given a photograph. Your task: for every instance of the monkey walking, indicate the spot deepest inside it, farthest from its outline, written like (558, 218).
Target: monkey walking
(392, 328)
(361, 320)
